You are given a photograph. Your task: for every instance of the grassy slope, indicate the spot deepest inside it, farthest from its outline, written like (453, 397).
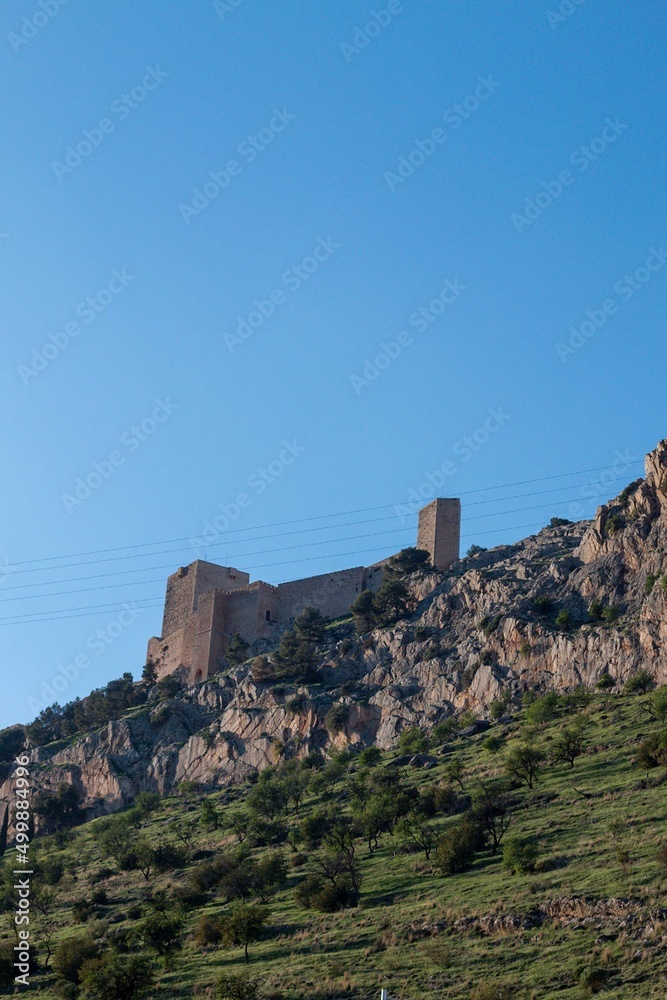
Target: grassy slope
(306, 953)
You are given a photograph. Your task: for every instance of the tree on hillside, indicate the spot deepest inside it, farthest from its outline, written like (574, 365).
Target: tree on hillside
(407, 561)
(60, 810)
(244, 925)
(310, 625)
(117, 977)
(237, 650)
(492, 808)
(569, 744)
(364, 612)
(524, 761)
(392, 601)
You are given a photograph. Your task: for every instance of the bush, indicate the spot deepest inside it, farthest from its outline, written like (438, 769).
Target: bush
(606, 682)
(520, 856)
(593, 978)
(543, 604)
(639, 683)
(610, 614)
(208, 931)
(168, 687)
(544, 709)
(116, 977)
(71, 954)
(457, 848)
(337, 717)
(237, 650)
(167, 857)
(99, 897)
(314, 893)
(563, 619)
(231, 987)
(413, 740)
(370, 757)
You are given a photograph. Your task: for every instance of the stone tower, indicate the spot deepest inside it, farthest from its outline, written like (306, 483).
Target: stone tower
(439, 531)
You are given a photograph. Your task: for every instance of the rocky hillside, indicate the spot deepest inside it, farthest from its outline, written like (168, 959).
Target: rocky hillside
(572, 605)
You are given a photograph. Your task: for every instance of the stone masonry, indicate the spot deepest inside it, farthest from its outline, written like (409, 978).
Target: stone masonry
(207, 604)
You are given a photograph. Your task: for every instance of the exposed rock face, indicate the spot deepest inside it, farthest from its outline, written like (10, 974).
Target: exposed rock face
(477, 632)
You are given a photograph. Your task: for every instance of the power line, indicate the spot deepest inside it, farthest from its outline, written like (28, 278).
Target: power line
(241, 556)
(319, 517)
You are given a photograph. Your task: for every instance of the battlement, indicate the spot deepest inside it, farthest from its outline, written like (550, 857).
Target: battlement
(207, 604)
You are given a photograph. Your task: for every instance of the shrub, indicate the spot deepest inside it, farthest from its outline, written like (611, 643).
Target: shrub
(445, 729)
(543, 604)
(605, 682)
(208, 931)
(593, 978)
(544, 709)
(99, 897)
(456, 848)
(117, 977)
(639, 683)
(492, 744)
(413, 740)
(563, 619)
(650, 582)
(71, 954)
(314, 893)
(370, 757)
(167, 857)
(652, 751)
(595, 609)
(168, 687)
(262, 670)
(337, 717)
(475, 550)
(237, 650)
(520, 856)
(232, 987)
(610, 614)
(407, 561)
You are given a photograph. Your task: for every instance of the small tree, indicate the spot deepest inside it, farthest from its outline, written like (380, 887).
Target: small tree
(524, 761)
(231, 987)
(149, 673)
(413, 740)
(408, 561)
(456, 848)
(520, 856)
(364, 612)
(416, 828)
(237, 650)
(311, 625)
(392, 602)
(244, 925)
(569, 744)
(492, 811)
(639, 683)
(116, 977)
(163, 933)
(71, 954)
(209, 816)
(455, 770)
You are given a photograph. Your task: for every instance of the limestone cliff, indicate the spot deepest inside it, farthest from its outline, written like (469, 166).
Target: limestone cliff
(493, 623)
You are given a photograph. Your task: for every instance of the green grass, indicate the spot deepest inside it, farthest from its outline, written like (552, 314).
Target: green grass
(569, 813)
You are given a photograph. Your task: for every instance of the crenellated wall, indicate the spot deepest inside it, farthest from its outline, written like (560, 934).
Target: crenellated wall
(207, 604)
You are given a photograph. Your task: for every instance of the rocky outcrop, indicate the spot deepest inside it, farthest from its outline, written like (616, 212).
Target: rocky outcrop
(504, 620)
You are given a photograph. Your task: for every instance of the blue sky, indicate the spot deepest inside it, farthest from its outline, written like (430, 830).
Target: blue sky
(349, 244)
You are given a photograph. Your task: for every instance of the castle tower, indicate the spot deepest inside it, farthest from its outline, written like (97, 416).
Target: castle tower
(439, 531)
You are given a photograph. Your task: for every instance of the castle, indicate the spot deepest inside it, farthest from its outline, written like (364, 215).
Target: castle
(207, 604)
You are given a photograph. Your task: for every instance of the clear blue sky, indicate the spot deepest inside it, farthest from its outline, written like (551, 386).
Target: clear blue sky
(508, 160)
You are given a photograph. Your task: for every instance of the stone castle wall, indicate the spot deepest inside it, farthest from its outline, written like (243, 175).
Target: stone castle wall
(207, 604)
